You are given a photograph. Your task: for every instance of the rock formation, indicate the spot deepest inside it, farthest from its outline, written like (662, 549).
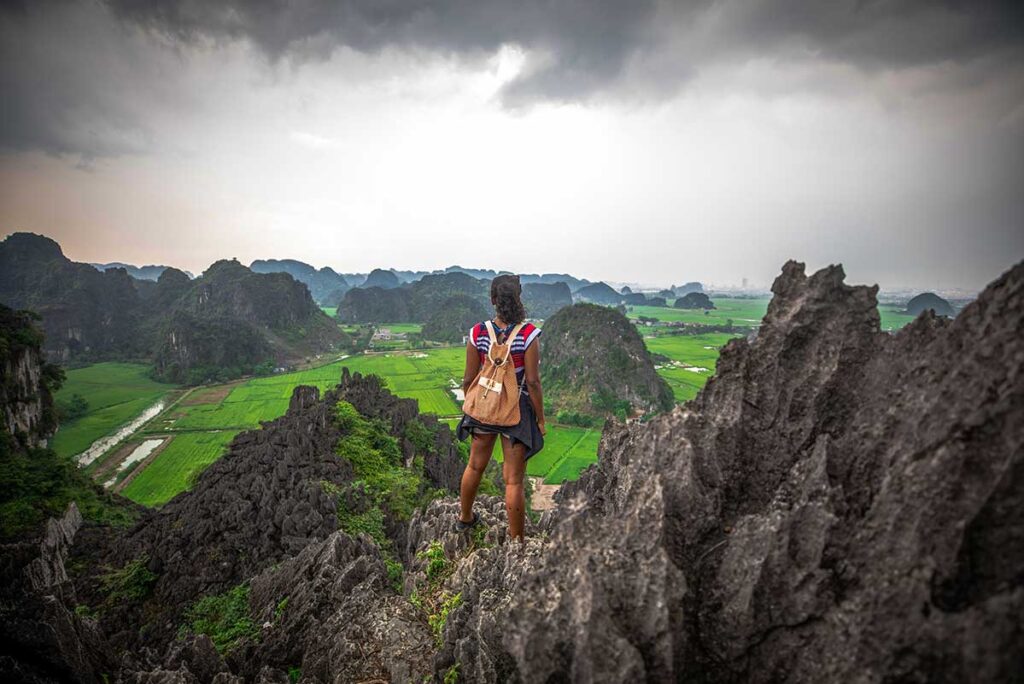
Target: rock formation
(694, 300)
(325, 285)
(929, 301)
(229, 319)
(838, 504)
(26, 381)
(682, 290)
(598, 293)
(635, 298)
(595, 363)
(381, 278)
(543, 299)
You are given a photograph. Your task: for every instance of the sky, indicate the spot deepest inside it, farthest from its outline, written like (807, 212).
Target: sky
(634, 141)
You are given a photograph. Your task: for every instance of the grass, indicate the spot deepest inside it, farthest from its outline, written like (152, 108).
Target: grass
(176, 467)
(116, 392)
(225, 618)
(331, 311)
(700, 351)
(893, 317)
(562, 442)
(743, 312)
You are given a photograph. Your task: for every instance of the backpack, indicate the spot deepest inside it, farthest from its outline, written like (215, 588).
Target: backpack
(493, 398)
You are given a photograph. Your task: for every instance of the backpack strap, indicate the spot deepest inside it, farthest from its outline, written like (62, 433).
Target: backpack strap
(508, 340)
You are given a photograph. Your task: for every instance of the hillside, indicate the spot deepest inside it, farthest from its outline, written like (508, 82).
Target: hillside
(231, 318)
(818, 512)
(595, 364)
(381, 278)
(34, 482)
(543, 299)
(930, 301)
(681, 290)
(151, 272)
(598, 293)
(694, 300)
(325, 286)
(222, 324)
(87, 315)
(447, 304)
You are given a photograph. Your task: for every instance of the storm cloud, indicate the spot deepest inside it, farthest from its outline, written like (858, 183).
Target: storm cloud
(584, 46)
(78, 81)
(888, 135)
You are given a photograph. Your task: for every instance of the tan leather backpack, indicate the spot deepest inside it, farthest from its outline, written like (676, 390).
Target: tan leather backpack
(493, 398)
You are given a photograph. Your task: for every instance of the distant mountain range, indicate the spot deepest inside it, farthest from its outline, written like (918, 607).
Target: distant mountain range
(227, 322)
(140, 272)
(325, 286)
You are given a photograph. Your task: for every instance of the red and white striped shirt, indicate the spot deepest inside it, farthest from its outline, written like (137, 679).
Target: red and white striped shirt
(479, 338)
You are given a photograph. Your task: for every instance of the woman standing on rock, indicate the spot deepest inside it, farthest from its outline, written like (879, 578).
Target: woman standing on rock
(521, 441)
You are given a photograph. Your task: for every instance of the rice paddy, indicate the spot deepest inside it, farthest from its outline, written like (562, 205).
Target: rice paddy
(201, 423)
(116, 392)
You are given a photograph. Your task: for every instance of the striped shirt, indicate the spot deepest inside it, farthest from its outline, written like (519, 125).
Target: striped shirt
(479, 338)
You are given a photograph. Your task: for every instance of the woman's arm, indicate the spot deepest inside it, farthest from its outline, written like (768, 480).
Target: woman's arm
(472, 366)
(533, 383)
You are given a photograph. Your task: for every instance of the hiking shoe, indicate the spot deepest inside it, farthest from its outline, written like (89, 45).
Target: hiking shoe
(463, 526)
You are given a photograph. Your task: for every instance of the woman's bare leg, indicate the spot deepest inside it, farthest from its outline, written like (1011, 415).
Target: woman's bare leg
(514, 472)
(480, 448)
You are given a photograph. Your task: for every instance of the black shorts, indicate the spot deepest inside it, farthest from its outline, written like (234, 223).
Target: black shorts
(526, 432)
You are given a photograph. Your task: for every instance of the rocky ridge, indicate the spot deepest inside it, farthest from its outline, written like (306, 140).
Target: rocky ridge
(838, 504)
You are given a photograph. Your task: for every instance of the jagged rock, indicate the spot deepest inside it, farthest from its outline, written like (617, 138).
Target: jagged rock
(26, 403)
(198, 654)
(331, 612)
(44, 640)
(485, 571)
(838, 504)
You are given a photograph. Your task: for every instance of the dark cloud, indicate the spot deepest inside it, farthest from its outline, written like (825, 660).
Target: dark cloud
(587, 46)
(77, 77)
(71, 84)
(582, 45)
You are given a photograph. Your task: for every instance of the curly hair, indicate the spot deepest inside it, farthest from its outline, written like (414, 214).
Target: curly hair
(505, 291)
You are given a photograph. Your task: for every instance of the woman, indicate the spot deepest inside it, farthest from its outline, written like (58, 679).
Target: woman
(518, 442)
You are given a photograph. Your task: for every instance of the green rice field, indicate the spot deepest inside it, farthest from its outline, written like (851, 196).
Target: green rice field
(175, 468)
(745, 313)
(695, 357)
(204, 420)
(567, 450)
(116, 392)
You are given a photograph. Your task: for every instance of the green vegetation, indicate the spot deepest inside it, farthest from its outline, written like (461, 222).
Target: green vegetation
(133, 582)
(893, 317)
(383, 483)
(114, 394)
(437, 621)
(280, 608)
(745, 313)
(177, 466)
(40, 484)
(692, 360)
(451, 675)
(225, 618)
(377, 460)
(294, 674)
(435, 602)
